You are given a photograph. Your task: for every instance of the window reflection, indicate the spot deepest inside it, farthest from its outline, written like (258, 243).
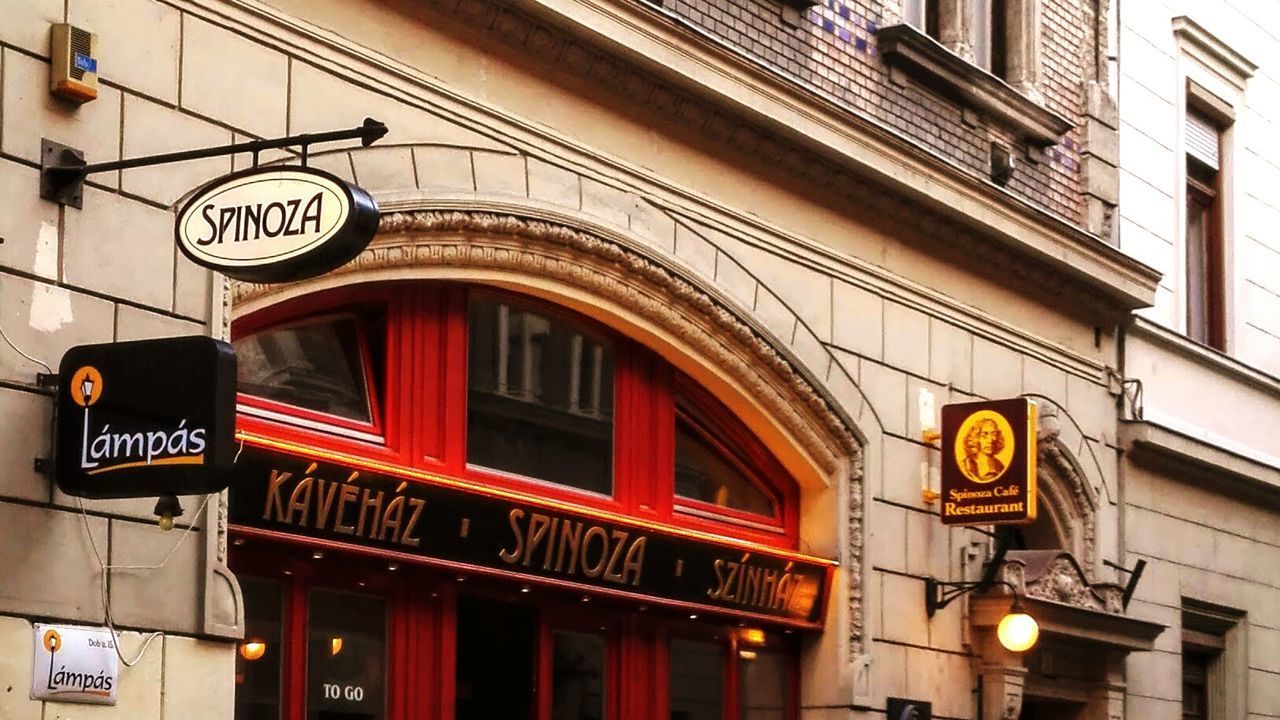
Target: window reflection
(577, 676)
(697, 680)
(346, 657)
(258, 657)
(540, 397)
(762, 685)
(704, 473)
(315, 365)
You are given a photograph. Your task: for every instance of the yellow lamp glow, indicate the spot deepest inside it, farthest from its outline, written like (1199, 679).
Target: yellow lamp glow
(335, 645)
(1018, 631)
(252, 650)
(755, 636)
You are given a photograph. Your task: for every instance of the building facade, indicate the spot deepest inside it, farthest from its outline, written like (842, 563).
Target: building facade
(682, 282)
(1200, 468)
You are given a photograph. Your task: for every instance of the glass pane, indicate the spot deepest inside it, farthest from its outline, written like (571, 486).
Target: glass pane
(762, 685)
(259, 656)
(316, 366)
(540, 397)
(346, 657)
(1197, 272)
(982, 33)
(697, 680)
(577, 676)
(703, 473)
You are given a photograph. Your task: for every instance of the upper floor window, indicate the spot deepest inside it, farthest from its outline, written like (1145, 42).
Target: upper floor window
(975, 29)
(511, 392)
(1205, 276)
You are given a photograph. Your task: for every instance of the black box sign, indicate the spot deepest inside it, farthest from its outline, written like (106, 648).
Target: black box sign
(146, 418)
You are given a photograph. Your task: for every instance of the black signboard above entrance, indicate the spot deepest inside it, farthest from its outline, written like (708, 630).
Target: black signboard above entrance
(989, 462)
(146, 418)
(284, 489)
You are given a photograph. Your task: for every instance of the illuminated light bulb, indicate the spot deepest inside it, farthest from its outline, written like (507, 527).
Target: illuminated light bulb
(524, 588)
(252, 650)
(755, 636)
(335, 645)
(747, 654)
(693, 617)
(1018, 631)
(317, 555)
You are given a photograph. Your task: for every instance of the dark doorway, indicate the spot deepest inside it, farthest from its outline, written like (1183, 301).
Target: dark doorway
(1037, 709)
(496, 651)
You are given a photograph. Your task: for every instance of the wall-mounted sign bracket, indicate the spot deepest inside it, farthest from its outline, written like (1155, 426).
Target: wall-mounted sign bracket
(63, 168)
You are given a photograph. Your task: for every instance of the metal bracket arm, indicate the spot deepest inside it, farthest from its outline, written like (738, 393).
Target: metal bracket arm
(63, 169)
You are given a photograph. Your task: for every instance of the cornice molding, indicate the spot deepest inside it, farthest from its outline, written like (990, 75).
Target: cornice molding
(725, 95)
(1213, 52)
(635, 52)
(1211, 360)
(917, 53)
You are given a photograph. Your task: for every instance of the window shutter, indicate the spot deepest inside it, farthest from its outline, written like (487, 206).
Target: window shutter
(1202, 139)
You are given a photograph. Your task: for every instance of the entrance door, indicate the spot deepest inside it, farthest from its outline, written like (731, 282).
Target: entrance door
(1037, 709)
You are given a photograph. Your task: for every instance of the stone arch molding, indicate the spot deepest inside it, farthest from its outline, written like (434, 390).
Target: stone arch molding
(627, 269)
(1070, 493)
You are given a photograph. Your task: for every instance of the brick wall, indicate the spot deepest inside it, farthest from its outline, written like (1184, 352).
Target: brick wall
(834, 52)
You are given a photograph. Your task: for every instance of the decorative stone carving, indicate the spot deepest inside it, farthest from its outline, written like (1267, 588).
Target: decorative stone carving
(659, 293)
(1055, 576)
(1066, 492)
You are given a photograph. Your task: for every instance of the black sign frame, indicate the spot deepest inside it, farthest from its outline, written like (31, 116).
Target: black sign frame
(989, 462)
(295, 493)
(145, 418)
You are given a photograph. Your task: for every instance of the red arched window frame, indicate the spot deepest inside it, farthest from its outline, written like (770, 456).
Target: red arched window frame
(419, 399)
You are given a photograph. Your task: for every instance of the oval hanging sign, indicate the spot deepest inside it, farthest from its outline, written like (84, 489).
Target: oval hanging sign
(276, 224)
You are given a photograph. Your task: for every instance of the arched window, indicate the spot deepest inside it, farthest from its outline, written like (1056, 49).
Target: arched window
(554, 403)
(560, 417)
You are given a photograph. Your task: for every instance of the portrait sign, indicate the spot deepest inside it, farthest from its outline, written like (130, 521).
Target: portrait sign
(989, 462)
(146, 418)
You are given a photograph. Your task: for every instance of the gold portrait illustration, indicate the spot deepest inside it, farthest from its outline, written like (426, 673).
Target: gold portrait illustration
(984, 446)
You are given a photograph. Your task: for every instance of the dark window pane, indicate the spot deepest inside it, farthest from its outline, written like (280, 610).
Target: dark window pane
(346, 657)
(762, 685)
(1197, 271)
(704, 473)
(697, 680)
(577, 676)
(315, 366)
(259, 656)
(1195, 672)
(540, 397)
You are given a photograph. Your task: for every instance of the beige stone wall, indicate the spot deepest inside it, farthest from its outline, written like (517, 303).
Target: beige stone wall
(1207, 547)
(871, 316)
(107, 272)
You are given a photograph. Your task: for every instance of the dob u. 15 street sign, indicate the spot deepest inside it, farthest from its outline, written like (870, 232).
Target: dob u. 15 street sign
(989, 462)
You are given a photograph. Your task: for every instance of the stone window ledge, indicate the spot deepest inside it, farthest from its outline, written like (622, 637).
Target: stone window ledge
(904, 46)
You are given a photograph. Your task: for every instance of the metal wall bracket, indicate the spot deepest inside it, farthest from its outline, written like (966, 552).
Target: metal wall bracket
(60, 177)
(63, 169)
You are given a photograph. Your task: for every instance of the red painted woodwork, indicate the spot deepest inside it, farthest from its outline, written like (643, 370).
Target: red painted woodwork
(420, 391)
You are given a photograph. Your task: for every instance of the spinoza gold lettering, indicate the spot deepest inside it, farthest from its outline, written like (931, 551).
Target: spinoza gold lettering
(343, 507)
(569, 547)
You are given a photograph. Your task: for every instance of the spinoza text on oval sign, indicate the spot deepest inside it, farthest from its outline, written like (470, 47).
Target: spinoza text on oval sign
(276, 224)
